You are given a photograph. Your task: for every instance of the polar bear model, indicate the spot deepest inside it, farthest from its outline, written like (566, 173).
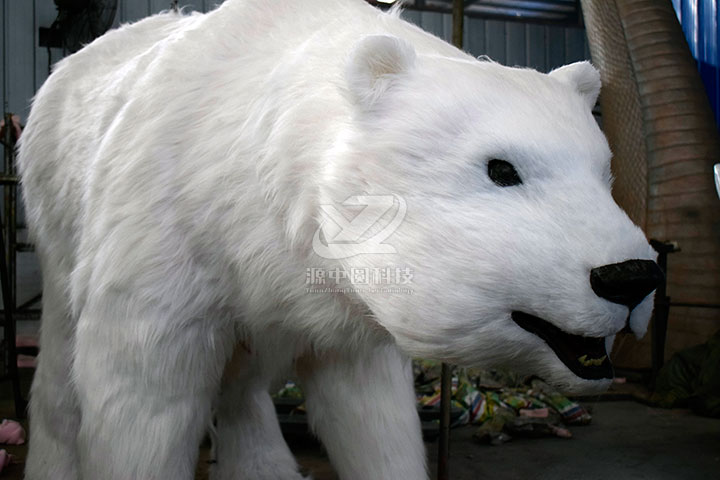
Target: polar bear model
(312, 185)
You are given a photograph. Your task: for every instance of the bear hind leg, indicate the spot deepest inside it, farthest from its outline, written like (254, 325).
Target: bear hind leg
(54, 411)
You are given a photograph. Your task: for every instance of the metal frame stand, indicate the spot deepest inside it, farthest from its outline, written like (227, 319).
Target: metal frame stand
(8, 265)
(662, 308)
(443, 467)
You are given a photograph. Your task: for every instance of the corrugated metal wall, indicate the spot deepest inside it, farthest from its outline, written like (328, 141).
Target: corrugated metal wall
(25, 65)
(511, 43)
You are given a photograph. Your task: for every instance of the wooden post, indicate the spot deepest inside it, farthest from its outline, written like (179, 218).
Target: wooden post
(458, 16)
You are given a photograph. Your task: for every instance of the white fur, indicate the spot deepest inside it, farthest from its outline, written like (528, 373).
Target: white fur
(174, 171)
(583, 77)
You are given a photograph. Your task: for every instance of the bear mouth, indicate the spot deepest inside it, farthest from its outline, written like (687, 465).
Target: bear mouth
(586, 357)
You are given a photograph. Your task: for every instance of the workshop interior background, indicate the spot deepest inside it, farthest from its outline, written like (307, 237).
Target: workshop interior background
(693, 273)
(674, 203)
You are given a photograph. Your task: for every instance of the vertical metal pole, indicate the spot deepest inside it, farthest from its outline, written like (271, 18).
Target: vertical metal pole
(444, 441)
(446, 376)
(662, 312)
(10, 335)
(10, 208)
(8, 303)
(7, 160)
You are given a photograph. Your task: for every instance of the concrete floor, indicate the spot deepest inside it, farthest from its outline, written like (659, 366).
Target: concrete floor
(626, 440)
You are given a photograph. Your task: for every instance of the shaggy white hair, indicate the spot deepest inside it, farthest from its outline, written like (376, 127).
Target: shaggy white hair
(174, 173)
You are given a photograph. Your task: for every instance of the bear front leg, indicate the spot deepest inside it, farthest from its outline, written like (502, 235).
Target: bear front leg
(145, 380)
(54, 411)
(362, 406)
(250, 445)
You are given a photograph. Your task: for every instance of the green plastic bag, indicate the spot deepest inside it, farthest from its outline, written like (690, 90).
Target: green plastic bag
(692, 378)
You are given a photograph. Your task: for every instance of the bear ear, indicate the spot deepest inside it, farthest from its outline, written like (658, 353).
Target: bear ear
(375, 61)
(583, 77)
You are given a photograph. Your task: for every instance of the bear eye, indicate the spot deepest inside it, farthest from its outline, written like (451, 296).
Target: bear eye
(503, 173)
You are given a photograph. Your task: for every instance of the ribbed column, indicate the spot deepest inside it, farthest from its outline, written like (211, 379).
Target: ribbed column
(646, 65)
(620, 102)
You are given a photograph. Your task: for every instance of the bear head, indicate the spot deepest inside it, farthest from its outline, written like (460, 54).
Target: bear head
(488, 189)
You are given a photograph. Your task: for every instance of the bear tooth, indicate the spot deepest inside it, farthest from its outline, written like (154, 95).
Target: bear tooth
(588, 362)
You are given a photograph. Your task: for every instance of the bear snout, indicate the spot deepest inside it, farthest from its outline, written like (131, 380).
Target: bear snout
(626, 283)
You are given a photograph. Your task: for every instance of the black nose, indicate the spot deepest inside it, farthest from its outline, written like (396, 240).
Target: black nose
(626, 283)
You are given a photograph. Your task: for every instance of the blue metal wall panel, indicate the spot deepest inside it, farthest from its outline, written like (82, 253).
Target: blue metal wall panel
(555, 47)
(3, 53)
(575, 41)
(535, 40)
(699, 19)
(20, 55)
(413, 16)
(132, 10)
(474, 36)
(515, 45)
(510, 43)
(45, 14)
(495, 41)
(708, 33)
(159, 5)
(439, 24)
